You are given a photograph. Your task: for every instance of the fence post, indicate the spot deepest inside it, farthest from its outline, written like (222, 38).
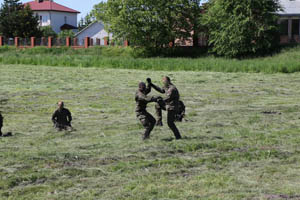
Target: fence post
(1, 41)
(86, 42)
(75, 42)
(126, 43)
(68, 41)
(16, 41)
(49, 42)
(32, 42)
(105, 42)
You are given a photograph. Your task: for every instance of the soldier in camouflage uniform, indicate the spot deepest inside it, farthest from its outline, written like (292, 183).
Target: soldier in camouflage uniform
(172, 104)
(62, 118)
(141, 99)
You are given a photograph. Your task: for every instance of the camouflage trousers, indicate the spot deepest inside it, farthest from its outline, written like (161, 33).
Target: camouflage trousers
(148, 122)
(179, 114)
(171, 123)
(158, 111)
(172, 116)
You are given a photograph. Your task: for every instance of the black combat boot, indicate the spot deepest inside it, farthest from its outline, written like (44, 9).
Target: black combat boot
(9, 134)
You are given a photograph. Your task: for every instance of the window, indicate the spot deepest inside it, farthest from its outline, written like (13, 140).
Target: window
(284, 26)
(66, 19)
(295, 26)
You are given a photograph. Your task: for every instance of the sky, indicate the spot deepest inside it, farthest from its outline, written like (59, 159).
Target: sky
(83, 6)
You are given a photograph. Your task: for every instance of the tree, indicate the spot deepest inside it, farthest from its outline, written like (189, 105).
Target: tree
(193, 12)
(148, 23)
(99, 12)
(47, 31)
(86, 21)
(28, 24)
(16, 20)
(239, 28)
(66, 33)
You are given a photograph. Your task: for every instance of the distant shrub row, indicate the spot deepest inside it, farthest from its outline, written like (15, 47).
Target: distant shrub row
(287, 61)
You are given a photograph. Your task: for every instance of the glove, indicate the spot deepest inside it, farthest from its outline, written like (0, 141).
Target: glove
(149, 80)
(157, 98)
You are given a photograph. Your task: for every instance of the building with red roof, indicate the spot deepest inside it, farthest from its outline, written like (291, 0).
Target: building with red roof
(52, 14)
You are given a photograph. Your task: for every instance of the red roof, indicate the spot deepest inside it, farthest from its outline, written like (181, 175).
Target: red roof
(49, 6)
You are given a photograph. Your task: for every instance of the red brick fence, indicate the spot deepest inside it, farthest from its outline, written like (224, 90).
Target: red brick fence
(51, 42)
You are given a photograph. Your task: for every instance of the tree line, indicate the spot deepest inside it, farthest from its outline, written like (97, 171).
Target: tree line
(232, 28)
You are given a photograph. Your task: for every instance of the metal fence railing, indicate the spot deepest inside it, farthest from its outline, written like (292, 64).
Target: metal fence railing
(24, 42)
(57, 42)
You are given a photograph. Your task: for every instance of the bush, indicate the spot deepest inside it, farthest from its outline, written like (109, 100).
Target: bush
(239, 28)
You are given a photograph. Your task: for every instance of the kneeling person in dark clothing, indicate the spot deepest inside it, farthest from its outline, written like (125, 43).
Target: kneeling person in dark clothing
(1, 125)
(62, 118)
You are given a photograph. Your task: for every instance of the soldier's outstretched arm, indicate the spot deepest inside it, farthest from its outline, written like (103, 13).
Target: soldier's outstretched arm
(147, 99)
(148, 88)
(158, 89)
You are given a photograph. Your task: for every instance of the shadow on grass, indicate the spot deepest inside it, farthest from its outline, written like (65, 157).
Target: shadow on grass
(192, 138)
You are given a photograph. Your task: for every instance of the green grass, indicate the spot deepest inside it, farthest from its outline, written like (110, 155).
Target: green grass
(232, 148)
(287, 61)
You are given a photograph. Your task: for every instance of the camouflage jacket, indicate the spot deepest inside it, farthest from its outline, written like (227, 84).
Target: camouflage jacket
(172, 98)
(142, 99)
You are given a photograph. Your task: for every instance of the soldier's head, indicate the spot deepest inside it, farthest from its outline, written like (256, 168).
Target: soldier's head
(60, 105)
(166, 81)
(142, 86)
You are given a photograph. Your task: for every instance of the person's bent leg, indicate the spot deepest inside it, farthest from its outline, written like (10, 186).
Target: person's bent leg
(158, 111)
(144, 121)
(149, 125)
(171, 124)
(152, 121)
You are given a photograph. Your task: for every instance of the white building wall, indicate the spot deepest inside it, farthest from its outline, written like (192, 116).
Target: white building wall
(95, 31)
(58, 19)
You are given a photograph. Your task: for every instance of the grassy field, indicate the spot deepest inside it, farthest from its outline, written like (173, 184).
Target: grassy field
(241, 140)
(287, 61)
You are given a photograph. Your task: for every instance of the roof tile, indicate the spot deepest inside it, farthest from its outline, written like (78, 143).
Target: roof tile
(49, 6)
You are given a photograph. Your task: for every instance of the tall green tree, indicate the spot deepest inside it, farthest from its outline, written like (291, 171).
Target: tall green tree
(239, 28)
(99, 12)
(148, 23)
(193, 11)
(18, 20)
